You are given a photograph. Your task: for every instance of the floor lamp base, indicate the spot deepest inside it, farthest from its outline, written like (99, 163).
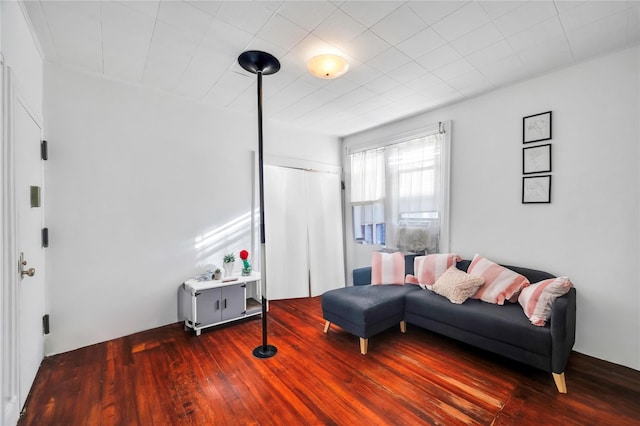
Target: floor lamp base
(265, 351)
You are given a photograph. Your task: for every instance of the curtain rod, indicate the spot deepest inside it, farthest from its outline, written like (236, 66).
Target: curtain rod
(380, 143)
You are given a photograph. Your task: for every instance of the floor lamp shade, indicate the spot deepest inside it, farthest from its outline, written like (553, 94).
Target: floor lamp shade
(261, 63)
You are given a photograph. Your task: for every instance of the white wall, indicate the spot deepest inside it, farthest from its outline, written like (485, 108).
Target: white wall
(590, 231)
(144, 191)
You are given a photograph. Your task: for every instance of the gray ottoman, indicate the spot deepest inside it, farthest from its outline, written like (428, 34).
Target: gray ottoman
(365, 310)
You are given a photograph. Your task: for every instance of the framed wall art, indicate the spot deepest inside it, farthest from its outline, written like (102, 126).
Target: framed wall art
(536, 128)
(536, 159)
(536, 189)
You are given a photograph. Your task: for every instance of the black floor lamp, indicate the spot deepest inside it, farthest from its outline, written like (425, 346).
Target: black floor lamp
(261, 63)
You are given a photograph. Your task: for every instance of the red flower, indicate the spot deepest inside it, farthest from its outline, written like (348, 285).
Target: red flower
(244, 255)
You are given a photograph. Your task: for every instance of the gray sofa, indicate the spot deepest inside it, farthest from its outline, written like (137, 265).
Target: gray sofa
(502, 329)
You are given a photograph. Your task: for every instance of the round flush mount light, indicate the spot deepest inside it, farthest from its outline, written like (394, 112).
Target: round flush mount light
(327, 66)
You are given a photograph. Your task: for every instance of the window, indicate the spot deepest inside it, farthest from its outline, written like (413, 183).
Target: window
(399, 194)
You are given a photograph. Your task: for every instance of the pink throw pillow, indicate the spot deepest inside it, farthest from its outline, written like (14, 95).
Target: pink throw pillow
(536, 300)
(387, 268)
(427, 269)
(500, 283)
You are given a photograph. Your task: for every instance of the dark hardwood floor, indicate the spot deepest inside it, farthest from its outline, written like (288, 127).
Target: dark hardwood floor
(167, 376)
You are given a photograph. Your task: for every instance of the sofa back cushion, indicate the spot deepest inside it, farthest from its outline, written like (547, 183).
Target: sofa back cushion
(387, 268)
(500, 283)
(427, 269)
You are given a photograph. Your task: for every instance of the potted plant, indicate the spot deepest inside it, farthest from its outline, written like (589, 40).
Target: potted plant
(227, 263)
(217, 274)
(246, 266)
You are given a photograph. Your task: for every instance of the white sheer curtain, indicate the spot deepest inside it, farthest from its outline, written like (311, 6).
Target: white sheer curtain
(367, 176)
(416, 178)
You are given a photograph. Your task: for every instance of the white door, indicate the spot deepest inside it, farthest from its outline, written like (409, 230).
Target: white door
(29, 223)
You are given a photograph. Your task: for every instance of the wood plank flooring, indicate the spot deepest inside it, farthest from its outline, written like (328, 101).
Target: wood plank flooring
(167, 376)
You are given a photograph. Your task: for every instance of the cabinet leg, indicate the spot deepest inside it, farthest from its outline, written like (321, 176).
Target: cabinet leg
(198, 332)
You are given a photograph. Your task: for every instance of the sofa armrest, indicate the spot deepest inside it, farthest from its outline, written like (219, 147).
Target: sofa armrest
(362, 276)
(563, 330)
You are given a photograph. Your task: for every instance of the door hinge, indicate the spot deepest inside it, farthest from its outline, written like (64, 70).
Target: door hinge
(45, 237)
(197, 293)
(44, 150)
(45, 324)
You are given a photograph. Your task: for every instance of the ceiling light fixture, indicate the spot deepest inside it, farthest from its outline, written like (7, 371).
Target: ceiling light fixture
(328, 66)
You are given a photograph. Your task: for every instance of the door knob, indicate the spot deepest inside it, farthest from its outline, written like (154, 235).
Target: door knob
(21, 264)
(30, 272)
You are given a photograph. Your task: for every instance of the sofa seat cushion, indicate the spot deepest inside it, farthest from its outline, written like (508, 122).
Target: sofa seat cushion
(505, 323)
(366, 308)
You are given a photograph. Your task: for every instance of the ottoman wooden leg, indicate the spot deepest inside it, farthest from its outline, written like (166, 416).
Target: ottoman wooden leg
(403, 326)
(326, 326)
(364, 345)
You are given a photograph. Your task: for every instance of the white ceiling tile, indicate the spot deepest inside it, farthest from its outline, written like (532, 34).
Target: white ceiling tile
(41, 27)
(496, 9)
(229, 87)
(598, 37)
(369, 13)
(399, 25)
(588, 12)
(361, 73)
(366, 46)
(340, 86)
(491, 54)
(382, 84)
(438, 58)
(339, 28)
(420, 43)
(399, 94)
(423, 82)
(198, 78)
(525, 16)
(537, 34)
(124, 66)
(462, 21)
(184, 16)
(282, 33)
(477, 39)
(547, 56)
(226, 38)
(175, 38)
(443, 91)
(433, 11)
(307, 14)
(209, 7)
(407, 72)
(248, 16)
(471, 83)
(265, 46)
(504, 71)
(148, 7)
(454, 69)
(389, 60)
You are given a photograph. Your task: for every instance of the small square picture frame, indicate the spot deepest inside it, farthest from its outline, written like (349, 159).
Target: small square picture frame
(536, 189)
(536, 159)
(536, 128)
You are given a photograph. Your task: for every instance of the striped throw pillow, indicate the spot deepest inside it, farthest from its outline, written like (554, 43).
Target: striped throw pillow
(500, 283)
(427, 269)
(536, 300)
(387, 268)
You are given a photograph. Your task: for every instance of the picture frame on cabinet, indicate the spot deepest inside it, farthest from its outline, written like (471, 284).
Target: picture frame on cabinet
(536, 159)
(536, 128)
(536, 189)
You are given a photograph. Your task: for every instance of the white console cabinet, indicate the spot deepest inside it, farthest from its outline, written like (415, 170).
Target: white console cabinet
(209, 303)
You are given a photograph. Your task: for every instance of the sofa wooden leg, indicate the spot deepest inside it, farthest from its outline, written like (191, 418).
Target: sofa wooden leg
(403, 326)
(364, 345)
(561, 384)
(326, 326)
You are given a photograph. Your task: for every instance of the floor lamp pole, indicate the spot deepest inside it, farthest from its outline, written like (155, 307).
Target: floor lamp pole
(261, 63)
